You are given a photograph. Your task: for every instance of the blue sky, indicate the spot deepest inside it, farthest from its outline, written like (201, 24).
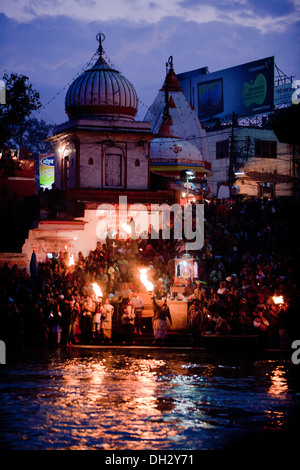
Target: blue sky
(51, 41)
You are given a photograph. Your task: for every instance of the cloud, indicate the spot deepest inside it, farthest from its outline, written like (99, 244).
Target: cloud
(52, 41)
(262, 15)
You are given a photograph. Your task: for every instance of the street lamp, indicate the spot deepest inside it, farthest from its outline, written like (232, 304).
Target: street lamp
(190, 175)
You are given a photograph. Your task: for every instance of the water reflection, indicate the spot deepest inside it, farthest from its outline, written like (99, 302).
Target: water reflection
(128, 399)
(279, 383)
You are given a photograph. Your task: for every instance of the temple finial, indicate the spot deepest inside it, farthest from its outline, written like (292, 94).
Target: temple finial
(100, 37)
(170, 62)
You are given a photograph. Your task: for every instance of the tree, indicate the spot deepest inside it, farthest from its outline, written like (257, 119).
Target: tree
(21, 101)
(34, 134)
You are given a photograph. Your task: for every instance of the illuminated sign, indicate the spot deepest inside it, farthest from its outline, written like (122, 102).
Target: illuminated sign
(46, 171)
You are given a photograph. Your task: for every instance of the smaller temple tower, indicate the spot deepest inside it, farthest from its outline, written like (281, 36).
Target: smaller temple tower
(183, 121)
(179, 146)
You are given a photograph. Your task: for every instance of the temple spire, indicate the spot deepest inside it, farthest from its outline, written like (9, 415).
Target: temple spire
(100, 38)
(164, 130)
(171, 82)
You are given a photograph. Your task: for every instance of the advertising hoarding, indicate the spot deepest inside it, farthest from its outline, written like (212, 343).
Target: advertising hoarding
(210, 98)
(46, 169)
(246, 89)
(283, 93)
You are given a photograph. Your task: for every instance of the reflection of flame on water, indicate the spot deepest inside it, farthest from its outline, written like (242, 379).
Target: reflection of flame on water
(97, 290)
(278, 382)
(143, 277)
(278, 299)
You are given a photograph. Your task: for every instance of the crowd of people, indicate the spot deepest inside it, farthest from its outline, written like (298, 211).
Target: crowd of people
(250, 254)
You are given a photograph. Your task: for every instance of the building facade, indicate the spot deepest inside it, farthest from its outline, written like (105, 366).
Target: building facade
(251, 160)
(236, 107)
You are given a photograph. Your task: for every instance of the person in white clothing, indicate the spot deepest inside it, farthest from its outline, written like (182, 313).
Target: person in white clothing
(97, 320)
(107, 311)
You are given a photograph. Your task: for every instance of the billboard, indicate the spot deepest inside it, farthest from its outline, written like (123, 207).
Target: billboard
(283, 93)
(210, 98)
(246, 90)
(46, 170)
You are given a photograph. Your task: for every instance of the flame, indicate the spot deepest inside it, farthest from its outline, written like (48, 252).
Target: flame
(71, 260)
(143, 277)
(127, 228)
(97, 290)
(278, 299)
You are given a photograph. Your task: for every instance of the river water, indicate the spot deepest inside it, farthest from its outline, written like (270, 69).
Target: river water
(143, 398)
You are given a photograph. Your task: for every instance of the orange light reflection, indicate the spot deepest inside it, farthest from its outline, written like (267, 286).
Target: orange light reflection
(278, 382)
(91, 393)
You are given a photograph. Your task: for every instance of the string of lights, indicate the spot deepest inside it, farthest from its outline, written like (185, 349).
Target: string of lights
(87, 65)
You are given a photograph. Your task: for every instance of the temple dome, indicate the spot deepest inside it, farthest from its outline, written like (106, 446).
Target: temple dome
(172, 148)
(170, 153)
(101, 91)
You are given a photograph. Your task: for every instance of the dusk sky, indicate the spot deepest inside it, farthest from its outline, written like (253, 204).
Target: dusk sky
(51, 41)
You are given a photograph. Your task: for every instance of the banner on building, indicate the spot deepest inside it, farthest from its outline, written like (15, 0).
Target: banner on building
(46, 168)
(283, 93)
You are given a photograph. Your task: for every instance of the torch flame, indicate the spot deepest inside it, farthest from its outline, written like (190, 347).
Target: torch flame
(71, 260)
(143, 277)
(97, 290)
(127, 228)
(278, 299)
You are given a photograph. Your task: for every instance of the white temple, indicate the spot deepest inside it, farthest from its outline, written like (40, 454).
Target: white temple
(183, 123)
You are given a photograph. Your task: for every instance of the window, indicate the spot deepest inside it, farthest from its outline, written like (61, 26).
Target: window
(113, 170)
(265, 148)
(91, 161)
(267, 189)
(137, 162)
(222, 149)
(66, 169)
